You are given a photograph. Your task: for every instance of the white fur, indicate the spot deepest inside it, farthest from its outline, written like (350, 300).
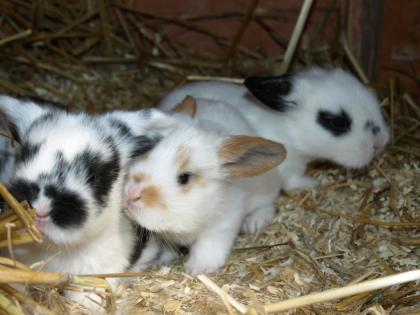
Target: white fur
(208, 214)
(297, 129)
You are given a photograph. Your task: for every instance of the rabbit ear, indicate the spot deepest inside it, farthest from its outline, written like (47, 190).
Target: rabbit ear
(159, 120)
(271, 91)
(244, 156)
(188, 106)
(21, 113)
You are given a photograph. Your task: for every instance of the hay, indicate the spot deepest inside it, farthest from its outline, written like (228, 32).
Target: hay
(359, 226)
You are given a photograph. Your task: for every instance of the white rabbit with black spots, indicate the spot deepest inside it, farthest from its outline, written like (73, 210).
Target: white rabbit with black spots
(71, 169)
(204, 180)
(316, 113)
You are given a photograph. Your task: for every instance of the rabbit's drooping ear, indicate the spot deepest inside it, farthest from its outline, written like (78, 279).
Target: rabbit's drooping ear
(271, 91)
(245, 156)
(21, 113)
(188, 106)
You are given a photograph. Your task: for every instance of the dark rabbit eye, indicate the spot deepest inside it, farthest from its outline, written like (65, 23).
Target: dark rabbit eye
(184, 178)
(337, 124)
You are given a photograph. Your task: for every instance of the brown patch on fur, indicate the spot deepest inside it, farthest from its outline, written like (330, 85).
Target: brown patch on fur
(188, 106)
(244, 156)
(152, 197)
(140, 177)
(183, 157)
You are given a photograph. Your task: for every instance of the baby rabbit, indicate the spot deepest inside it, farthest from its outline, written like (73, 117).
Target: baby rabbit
(316, 114)
(201, 182)
(71, 169)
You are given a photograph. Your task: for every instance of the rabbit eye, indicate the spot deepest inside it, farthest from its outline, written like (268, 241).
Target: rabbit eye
(184, 178)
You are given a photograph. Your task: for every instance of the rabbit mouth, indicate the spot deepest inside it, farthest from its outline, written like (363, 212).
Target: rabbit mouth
(42, 222)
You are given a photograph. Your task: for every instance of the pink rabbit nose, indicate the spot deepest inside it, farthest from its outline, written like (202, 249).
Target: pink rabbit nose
(132, 194)
(42, 209)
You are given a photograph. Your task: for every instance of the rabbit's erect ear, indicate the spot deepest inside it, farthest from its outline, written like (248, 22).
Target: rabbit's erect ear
(21, 113)
(188, 106)
(272, 91)
(244, 156)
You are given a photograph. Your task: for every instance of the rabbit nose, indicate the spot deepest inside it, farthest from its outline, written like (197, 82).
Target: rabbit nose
(132, 194)
(42, 209)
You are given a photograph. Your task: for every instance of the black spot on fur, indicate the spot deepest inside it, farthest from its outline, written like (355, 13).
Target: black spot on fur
(67, 208)
(101, 174)
(60, 170)
(143, 144)
(337, 124)
(45, 118)
(141, 238)
(24, 190)
(123, 129)
(28, 151)
(271, 91)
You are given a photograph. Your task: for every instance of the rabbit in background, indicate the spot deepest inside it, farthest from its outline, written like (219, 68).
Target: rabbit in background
(317, 114)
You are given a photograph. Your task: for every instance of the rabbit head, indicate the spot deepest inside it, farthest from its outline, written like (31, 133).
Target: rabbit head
(329, 114)
(180, 185)
(71, 165)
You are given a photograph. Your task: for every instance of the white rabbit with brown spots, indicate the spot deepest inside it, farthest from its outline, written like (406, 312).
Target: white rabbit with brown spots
(203, 181)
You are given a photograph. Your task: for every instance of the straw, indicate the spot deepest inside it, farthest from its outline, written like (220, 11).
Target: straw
(24, 299)
(21, 213)
(31, 277)
(333, 294)
(297, 32)
(18, 36)
(215, 288)
(9, 307)
(214, 78)
(357, 67)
